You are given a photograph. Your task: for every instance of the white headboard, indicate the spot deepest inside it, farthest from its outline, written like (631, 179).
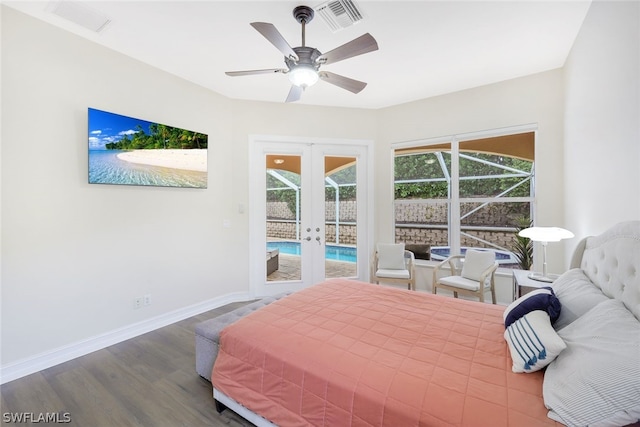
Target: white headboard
(612, 262)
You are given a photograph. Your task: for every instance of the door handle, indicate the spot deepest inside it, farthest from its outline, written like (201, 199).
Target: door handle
(317, 239)
(308, 238)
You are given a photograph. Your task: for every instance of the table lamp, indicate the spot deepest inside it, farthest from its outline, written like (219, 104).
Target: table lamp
(545, 235)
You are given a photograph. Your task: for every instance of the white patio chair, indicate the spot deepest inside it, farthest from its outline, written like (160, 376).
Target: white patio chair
(392, 264)
(476, 277)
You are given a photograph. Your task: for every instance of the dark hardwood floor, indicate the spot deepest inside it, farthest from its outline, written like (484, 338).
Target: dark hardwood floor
(149, 380)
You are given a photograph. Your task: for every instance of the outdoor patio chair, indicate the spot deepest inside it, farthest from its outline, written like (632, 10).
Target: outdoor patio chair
(392, 264)
(476, 277)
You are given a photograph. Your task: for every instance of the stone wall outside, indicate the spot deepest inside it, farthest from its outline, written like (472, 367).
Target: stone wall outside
(287, 231)
(281, 222)
(281, 211)
(417, 222)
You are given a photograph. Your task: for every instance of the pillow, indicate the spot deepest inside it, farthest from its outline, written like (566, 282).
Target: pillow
(577, 294)
(533, 343)
(391, 256)
(476, 262)
(540, 299)
(596, 380)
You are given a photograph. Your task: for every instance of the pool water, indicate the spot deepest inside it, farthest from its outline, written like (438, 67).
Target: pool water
(332, 252)
(441, 252)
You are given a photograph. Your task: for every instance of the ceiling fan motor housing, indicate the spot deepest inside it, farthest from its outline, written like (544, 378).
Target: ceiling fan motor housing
(306, 55)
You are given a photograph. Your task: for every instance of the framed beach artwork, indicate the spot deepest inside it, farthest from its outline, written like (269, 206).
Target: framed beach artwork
(129, 151)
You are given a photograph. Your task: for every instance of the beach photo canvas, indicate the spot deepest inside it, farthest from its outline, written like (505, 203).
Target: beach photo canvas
(129, 151)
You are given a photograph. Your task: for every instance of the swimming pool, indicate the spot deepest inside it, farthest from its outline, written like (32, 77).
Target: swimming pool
(332, 252)
(438, 253)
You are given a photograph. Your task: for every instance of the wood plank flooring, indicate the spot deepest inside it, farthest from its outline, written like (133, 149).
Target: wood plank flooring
(149, 380)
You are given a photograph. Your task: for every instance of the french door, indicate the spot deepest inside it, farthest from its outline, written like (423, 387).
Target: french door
(310, 213)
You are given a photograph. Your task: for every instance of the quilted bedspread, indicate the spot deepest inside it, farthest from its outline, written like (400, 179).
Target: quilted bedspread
(346, 353)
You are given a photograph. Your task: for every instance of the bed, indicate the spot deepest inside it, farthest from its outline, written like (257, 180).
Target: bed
(351, 353)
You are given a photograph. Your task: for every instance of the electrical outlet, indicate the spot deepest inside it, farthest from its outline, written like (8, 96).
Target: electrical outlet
(146, 300)
(137, 303)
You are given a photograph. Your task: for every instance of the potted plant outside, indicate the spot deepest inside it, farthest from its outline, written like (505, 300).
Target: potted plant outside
(523, 246)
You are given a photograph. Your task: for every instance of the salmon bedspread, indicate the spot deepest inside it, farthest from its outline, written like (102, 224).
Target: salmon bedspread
(346, 353)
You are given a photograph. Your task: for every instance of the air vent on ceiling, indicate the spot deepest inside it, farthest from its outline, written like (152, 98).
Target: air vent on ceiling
(80, 14)
(339, 14)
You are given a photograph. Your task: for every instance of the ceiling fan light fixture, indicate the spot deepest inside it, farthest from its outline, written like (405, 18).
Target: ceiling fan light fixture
(303, 75)
(304, 62)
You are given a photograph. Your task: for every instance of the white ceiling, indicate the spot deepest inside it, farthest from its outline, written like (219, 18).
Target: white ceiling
(426, 48)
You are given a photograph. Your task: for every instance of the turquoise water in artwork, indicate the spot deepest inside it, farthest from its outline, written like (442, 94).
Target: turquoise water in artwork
(106, 168)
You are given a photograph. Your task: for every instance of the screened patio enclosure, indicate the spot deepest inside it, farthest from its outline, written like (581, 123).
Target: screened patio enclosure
(450, 195)
(455, 195)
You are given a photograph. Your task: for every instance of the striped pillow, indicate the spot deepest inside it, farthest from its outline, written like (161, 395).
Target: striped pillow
(596, 380)
(533, 343)
(577, 294)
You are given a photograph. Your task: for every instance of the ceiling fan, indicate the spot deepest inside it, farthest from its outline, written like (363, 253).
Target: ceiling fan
(303, 62)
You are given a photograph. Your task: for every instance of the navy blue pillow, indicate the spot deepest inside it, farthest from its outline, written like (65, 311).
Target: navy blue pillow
(541, 299)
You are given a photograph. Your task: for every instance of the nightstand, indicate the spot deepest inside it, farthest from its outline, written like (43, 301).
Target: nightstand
(522, 284)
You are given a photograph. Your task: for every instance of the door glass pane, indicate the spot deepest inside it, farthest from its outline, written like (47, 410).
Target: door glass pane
(283, 197)
(340, 209)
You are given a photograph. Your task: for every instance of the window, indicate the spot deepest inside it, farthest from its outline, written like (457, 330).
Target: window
(463, 192)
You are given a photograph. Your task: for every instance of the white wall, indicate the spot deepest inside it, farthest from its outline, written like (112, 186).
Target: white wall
(602, 119)
(75, 255)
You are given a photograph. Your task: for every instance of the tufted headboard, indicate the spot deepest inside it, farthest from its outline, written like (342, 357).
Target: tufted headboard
(612, 262)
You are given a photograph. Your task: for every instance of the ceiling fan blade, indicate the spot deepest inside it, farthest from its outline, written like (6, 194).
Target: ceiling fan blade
(252, 72)
(271, 33)
(347, 83)
(363, 44)
(294, 94)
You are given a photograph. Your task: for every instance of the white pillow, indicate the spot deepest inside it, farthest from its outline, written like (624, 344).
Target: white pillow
(577, 295)
(533, 343)
(596, 380)
(391, 256)
(476, 262)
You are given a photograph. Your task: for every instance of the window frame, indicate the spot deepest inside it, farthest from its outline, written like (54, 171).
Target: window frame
(454, 201)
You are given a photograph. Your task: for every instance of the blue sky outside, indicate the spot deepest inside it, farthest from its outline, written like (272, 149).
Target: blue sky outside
(105, 127)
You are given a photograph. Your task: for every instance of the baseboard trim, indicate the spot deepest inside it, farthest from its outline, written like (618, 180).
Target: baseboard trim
(30, 365)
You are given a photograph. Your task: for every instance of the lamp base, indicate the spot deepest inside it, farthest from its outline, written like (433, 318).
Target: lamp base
(549, 278)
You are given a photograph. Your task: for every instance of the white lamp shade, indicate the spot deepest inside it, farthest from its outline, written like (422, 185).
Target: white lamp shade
(303, 75)
(546, 234)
